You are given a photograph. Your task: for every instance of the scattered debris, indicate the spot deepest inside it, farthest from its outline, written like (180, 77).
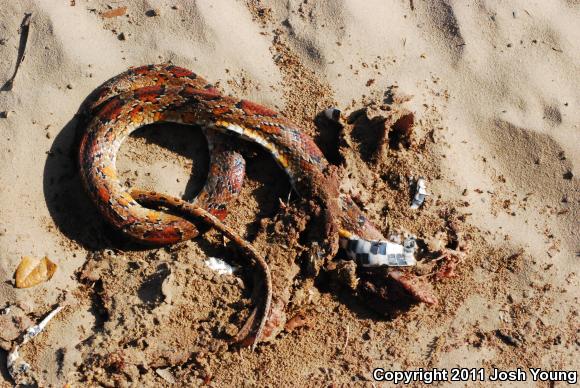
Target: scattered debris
(165, 374)
(24, 28)
(31, 272)
(369, 253)
(112, 13)
(508, 338)
(420, 194)
(220, 266)
(19, 369)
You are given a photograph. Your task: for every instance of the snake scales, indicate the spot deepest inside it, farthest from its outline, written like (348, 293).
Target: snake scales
(167, 93)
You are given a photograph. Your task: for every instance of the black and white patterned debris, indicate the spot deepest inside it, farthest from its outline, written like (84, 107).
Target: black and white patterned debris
(369, 253)
(420, 194)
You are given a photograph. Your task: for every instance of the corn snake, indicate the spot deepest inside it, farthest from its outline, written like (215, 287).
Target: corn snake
(167, 93)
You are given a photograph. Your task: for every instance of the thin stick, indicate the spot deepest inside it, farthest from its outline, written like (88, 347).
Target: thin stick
(24, 28)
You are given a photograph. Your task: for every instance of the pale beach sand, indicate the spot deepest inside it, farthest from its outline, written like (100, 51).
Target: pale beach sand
(498, 85)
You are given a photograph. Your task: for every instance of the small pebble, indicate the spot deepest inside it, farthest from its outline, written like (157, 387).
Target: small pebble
(121, 36)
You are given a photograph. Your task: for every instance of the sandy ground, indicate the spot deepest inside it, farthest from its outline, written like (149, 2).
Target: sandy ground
(494, 87)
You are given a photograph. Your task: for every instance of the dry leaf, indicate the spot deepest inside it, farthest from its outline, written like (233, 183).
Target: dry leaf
(114, 12)
(31, 272)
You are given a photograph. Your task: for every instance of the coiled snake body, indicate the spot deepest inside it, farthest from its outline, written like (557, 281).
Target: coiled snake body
(167, 93)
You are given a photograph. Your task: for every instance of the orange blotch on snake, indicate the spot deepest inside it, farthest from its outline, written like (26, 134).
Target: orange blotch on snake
(153, 216)
(251, 108)
(124, 199)
(103, 194)
(109, 172)
(270, 128)
(283, 161)
(136, 115)
(220, 110)
(158, 116)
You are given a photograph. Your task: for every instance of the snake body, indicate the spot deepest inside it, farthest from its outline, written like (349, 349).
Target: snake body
(167, 93)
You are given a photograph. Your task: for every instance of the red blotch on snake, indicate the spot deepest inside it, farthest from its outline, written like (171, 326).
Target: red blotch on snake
(190, 91)
(251, 108)
(150, 93)
(180, 71)
(111, 109)
(168, 235)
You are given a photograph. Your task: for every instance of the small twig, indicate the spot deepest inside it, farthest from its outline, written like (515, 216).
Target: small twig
(33, 331)
(24, 28)
(18, 368)
(346, 339)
